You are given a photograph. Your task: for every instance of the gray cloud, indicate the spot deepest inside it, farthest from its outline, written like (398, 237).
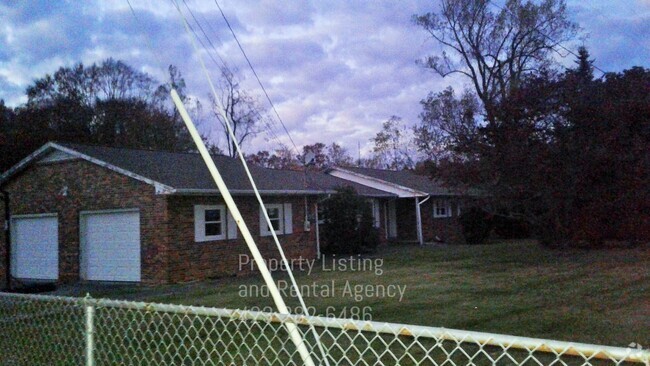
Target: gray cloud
(335, 69)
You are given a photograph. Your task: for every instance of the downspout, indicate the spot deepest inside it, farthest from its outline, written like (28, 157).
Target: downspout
(418, 215)
(7, 228)
(317, 231)
(318, 253)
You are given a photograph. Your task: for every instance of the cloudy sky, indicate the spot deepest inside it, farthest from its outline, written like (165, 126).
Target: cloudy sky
(335, 70)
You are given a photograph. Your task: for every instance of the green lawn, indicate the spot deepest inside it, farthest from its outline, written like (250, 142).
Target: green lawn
(517, 288)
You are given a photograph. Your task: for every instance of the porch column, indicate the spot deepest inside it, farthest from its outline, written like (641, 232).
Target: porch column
(317, 231)
(418, 221)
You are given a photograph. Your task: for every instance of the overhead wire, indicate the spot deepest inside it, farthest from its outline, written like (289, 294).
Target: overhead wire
(156, 55)
(556, 43)
(250, 65)
(253, 185)
(224, 66)
(223, 63)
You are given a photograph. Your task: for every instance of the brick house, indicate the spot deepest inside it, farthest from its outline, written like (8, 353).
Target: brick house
(93, 213)
(421, 210)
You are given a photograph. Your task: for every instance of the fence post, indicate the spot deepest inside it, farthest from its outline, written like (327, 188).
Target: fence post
(90, 331)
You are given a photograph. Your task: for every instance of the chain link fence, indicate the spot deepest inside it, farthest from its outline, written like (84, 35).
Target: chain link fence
(46, 330)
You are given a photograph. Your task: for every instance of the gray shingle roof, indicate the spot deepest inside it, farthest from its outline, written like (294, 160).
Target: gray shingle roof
(187, 171)
(407, 179)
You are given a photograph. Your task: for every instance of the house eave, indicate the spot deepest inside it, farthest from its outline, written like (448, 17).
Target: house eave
(245, 192)
(405, 191)
(23, 164)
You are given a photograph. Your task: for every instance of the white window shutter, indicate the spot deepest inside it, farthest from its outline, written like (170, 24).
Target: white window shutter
(232, 225)
(199, 223)
(263, 231)
(288, 219)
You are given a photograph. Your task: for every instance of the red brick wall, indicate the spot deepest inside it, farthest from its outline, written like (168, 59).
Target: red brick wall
(448, 229)
(191, 260)
(405, 213)
(37, 190)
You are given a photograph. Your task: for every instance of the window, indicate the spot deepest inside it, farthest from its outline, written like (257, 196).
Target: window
(280, 217)
(275, 218)
(209, 222)
(213, 222)
(441, 209)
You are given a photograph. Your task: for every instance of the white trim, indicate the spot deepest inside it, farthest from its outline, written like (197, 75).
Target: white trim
(33, 216)
(376, 183)
(55, 157)
(392, 219)
(418, 221)
(264, 230)
(317, 222)
(440, 202)
(21, 164)
(199, 223)
(201, 191)
(376, 217)
(109, 211)
(287, 217)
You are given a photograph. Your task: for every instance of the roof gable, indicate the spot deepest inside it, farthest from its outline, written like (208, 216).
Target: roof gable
(186, 173)
(403, 183)
(52, 152)
(397, 189)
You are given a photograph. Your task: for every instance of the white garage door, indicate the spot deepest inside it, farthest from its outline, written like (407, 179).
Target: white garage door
(110, 243)
(35, 247)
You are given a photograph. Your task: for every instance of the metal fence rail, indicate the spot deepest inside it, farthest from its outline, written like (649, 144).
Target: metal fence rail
(46, 330)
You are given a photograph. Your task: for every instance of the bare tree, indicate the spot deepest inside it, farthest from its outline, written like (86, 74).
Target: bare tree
(391, 148)
(243, 111)
(495, 49)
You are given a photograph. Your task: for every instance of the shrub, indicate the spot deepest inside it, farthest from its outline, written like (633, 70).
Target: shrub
(511, 228)
(348, 224)
(477, 225)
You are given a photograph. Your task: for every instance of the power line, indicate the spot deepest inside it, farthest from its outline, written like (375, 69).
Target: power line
(224, 65)
(203, 44)
(556, 43)
(205, 35)
(223, 15)
(156, 55)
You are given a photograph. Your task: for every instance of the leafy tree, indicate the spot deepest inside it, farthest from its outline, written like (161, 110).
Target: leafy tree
(566, 153)
(108, 104)
(338, 155)
(281, 158)
(495, 49)
(326, 155)
(446, 123)
(320, 158)
(348, 224)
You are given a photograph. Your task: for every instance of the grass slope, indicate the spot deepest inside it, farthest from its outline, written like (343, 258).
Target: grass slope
(513, 287)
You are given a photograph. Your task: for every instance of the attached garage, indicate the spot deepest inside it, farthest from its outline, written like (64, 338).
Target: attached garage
(35, 247)
(110, 246)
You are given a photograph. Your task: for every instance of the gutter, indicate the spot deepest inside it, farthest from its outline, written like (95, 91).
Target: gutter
(7, 229)
(412, 191)
(198, 191)
(278, 192)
